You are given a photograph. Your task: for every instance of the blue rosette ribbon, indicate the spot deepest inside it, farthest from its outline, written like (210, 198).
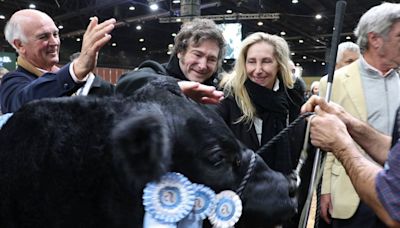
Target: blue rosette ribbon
(168, 201)
(204, 203)
(227, 209)
(4, 118)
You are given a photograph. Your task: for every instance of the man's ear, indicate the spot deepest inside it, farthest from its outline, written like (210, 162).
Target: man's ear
(179, 55)
(375, 40)
(18, 45)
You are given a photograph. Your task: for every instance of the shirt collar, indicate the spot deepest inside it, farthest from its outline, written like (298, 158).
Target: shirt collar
(29, 67)
(371, 68)
(276, 85)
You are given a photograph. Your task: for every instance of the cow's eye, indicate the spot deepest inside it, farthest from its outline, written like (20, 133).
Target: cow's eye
(215, 156)
(216, 159)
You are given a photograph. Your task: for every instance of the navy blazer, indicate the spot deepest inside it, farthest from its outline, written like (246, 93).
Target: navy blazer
(22, 86)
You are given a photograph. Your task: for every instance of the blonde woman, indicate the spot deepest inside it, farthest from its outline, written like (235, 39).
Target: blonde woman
(260, 99)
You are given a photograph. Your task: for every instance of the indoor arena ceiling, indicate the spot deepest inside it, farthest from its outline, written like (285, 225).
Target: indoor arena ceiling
(309, 38)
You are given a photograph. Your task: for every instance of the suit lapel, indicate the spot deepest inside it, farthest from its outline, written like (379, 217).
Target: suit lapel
(354, 90)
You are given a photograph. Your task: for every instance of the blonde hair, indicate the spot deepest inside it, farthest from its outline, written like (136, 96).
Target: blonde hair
(233, 83)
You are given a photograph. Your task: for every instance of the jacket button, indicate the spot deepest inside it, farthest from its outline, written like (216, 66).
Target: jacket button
(66, 86)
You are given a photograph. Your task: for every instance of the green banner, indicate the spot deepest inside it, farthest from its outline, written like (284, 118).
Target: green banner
(8, 60)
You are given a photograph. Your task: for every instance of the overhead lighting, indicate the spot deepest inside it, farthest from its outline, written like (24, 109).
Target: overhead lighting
(304, 57)
(170, 45)
(78, 39)
(132, 8)
(295, 1)
(173, 34)
(229, 11)
(2, 17)
(283, 33)
(318, 16)
(169, 52)
(348, 38)
(176, 1)
(178, 20)
(32, 6)
(138, 27)
(260, 23)
(60, 27)
(301, 41)
(323, 63)
(314, 60)
(143, 48)
(297, 64)
(114, 44)
(141, 40)
(153, 6)
(292, 53)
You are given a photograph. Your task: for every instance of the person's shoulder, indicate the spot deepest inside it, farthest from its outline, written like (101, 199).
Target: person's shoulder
(300, 85)
(20, 72)
(323, 79)
(343, 72)
(101, 82)
(147, 69)
(155, 67)
(133, 80)
(296, 96)
(348, 70)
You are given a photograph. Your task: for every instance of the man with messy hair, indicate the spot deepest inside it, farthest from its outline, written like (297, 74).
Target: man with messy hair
(196, 56)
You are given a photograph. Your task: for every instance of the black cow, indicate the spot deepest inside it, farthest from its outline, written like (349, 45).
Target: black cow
(83, 162)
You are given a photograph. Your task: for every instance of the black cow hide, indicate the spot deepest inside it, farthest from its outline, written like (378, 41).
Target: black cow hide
(83, 162)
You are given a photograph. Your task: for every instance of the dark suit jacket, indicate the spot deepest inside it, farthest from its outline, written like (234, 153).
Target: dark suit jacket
(101, 87)
(22, 86)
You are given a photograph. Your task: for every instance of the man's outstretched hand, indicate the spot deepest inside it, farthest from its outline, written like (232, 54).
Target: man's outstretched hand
(201, 93)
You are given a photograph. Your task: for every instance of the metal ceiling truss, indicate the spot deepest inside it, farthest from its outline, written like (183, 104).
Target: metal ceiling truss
(224, 17)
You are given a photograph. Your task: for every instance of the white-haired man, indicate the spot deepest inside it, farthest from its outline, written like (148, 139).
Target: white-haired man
(35, 37)
(369, 89)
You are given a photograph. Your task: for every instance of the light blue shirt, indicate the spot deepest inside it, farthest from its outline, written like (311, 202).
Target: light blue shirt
(382, 96)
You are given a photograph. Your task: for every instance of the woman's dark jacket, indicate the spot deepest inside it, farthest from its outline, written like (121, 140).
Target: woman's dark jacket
(276, 109)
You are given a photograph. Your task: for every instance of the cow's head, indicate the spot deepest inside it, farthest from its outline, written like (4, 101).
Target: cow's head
(84, 162)
(206, 151)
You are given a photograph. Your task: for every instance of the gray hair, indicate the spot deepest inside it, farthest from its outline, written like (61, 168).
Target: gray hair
(197, 31)
(313, 85)
(13, 31)
(346, 46)
(379, 19)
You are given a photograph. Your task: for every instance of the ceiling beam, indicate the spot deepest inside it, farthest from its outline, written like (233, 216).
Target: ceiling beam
(224, 17)
(89, 9)
(128, 21)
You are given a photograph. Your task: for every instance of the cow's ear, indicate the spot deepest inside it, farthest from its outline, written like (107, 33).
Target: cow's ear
(141, 150)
